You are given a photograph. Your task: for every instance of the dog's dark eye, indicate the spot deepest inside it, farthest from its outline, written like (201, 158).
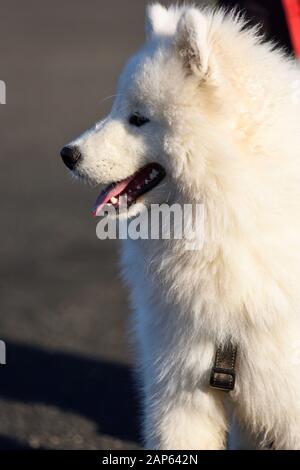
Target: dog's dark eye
(137, 120)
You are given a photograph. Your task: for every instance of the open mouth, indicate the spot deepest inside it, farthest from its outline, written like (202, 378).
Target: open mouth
(130, 188)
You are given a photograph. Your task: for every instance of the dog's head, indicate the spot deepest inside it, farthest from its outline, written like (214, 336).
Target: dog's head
(163, 127)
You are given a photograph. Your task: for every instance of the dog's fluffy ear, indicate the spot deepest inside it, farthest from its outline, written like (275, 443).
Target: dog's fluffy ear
(192, 41)
(156, 19)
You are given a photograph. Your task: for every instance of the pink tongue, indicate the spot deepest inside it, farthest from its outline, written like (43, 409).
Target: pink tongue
(107, 194)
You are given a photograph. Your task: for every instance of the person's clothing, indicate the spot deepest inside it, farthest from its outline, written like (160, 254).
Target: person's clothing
(292, 13)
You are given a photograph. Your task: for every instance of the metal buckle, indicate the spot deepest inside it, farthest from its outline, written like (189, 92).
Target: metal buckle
(222, 379)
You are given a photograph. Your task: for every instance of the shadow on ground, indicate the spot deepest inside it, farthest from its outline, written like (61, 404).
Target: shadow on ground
(11, 444)
(102, 391)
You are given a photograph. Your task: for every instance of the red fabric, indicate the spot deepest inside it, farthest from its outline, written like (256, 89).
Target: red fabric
(292, 11)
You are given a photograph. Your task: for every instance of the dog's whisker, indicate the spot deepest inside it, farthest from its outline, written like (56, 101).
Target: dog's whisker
(111, 97)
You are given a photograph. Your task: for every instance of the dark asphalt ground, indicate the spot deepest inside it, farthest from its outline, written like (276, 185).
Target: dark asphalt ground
(67, 383)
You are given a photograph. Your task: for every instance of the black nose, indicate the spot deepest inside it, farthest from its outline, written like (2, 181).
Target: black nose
(70, 156)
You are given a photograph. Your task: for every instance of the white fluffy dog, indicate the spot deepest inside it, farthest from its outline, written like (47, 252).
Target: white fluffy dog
(210, 115)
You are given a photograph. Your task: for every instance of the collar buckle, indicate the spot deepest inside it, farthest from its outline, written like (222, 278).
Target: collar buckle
(223, 371)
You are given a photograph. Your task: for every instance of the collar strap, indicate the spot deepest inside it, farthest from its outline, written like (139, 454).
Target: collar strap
(223, 371)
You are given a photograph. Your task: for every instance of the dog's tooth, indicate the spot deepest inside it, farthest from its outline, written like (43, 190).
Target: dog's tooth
(114, 200)
(155, 173)
(146, 181)
(138, 187)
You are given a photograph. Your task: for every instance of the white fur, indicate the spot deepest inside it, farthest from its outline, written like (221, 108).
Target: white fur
(225, 124)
